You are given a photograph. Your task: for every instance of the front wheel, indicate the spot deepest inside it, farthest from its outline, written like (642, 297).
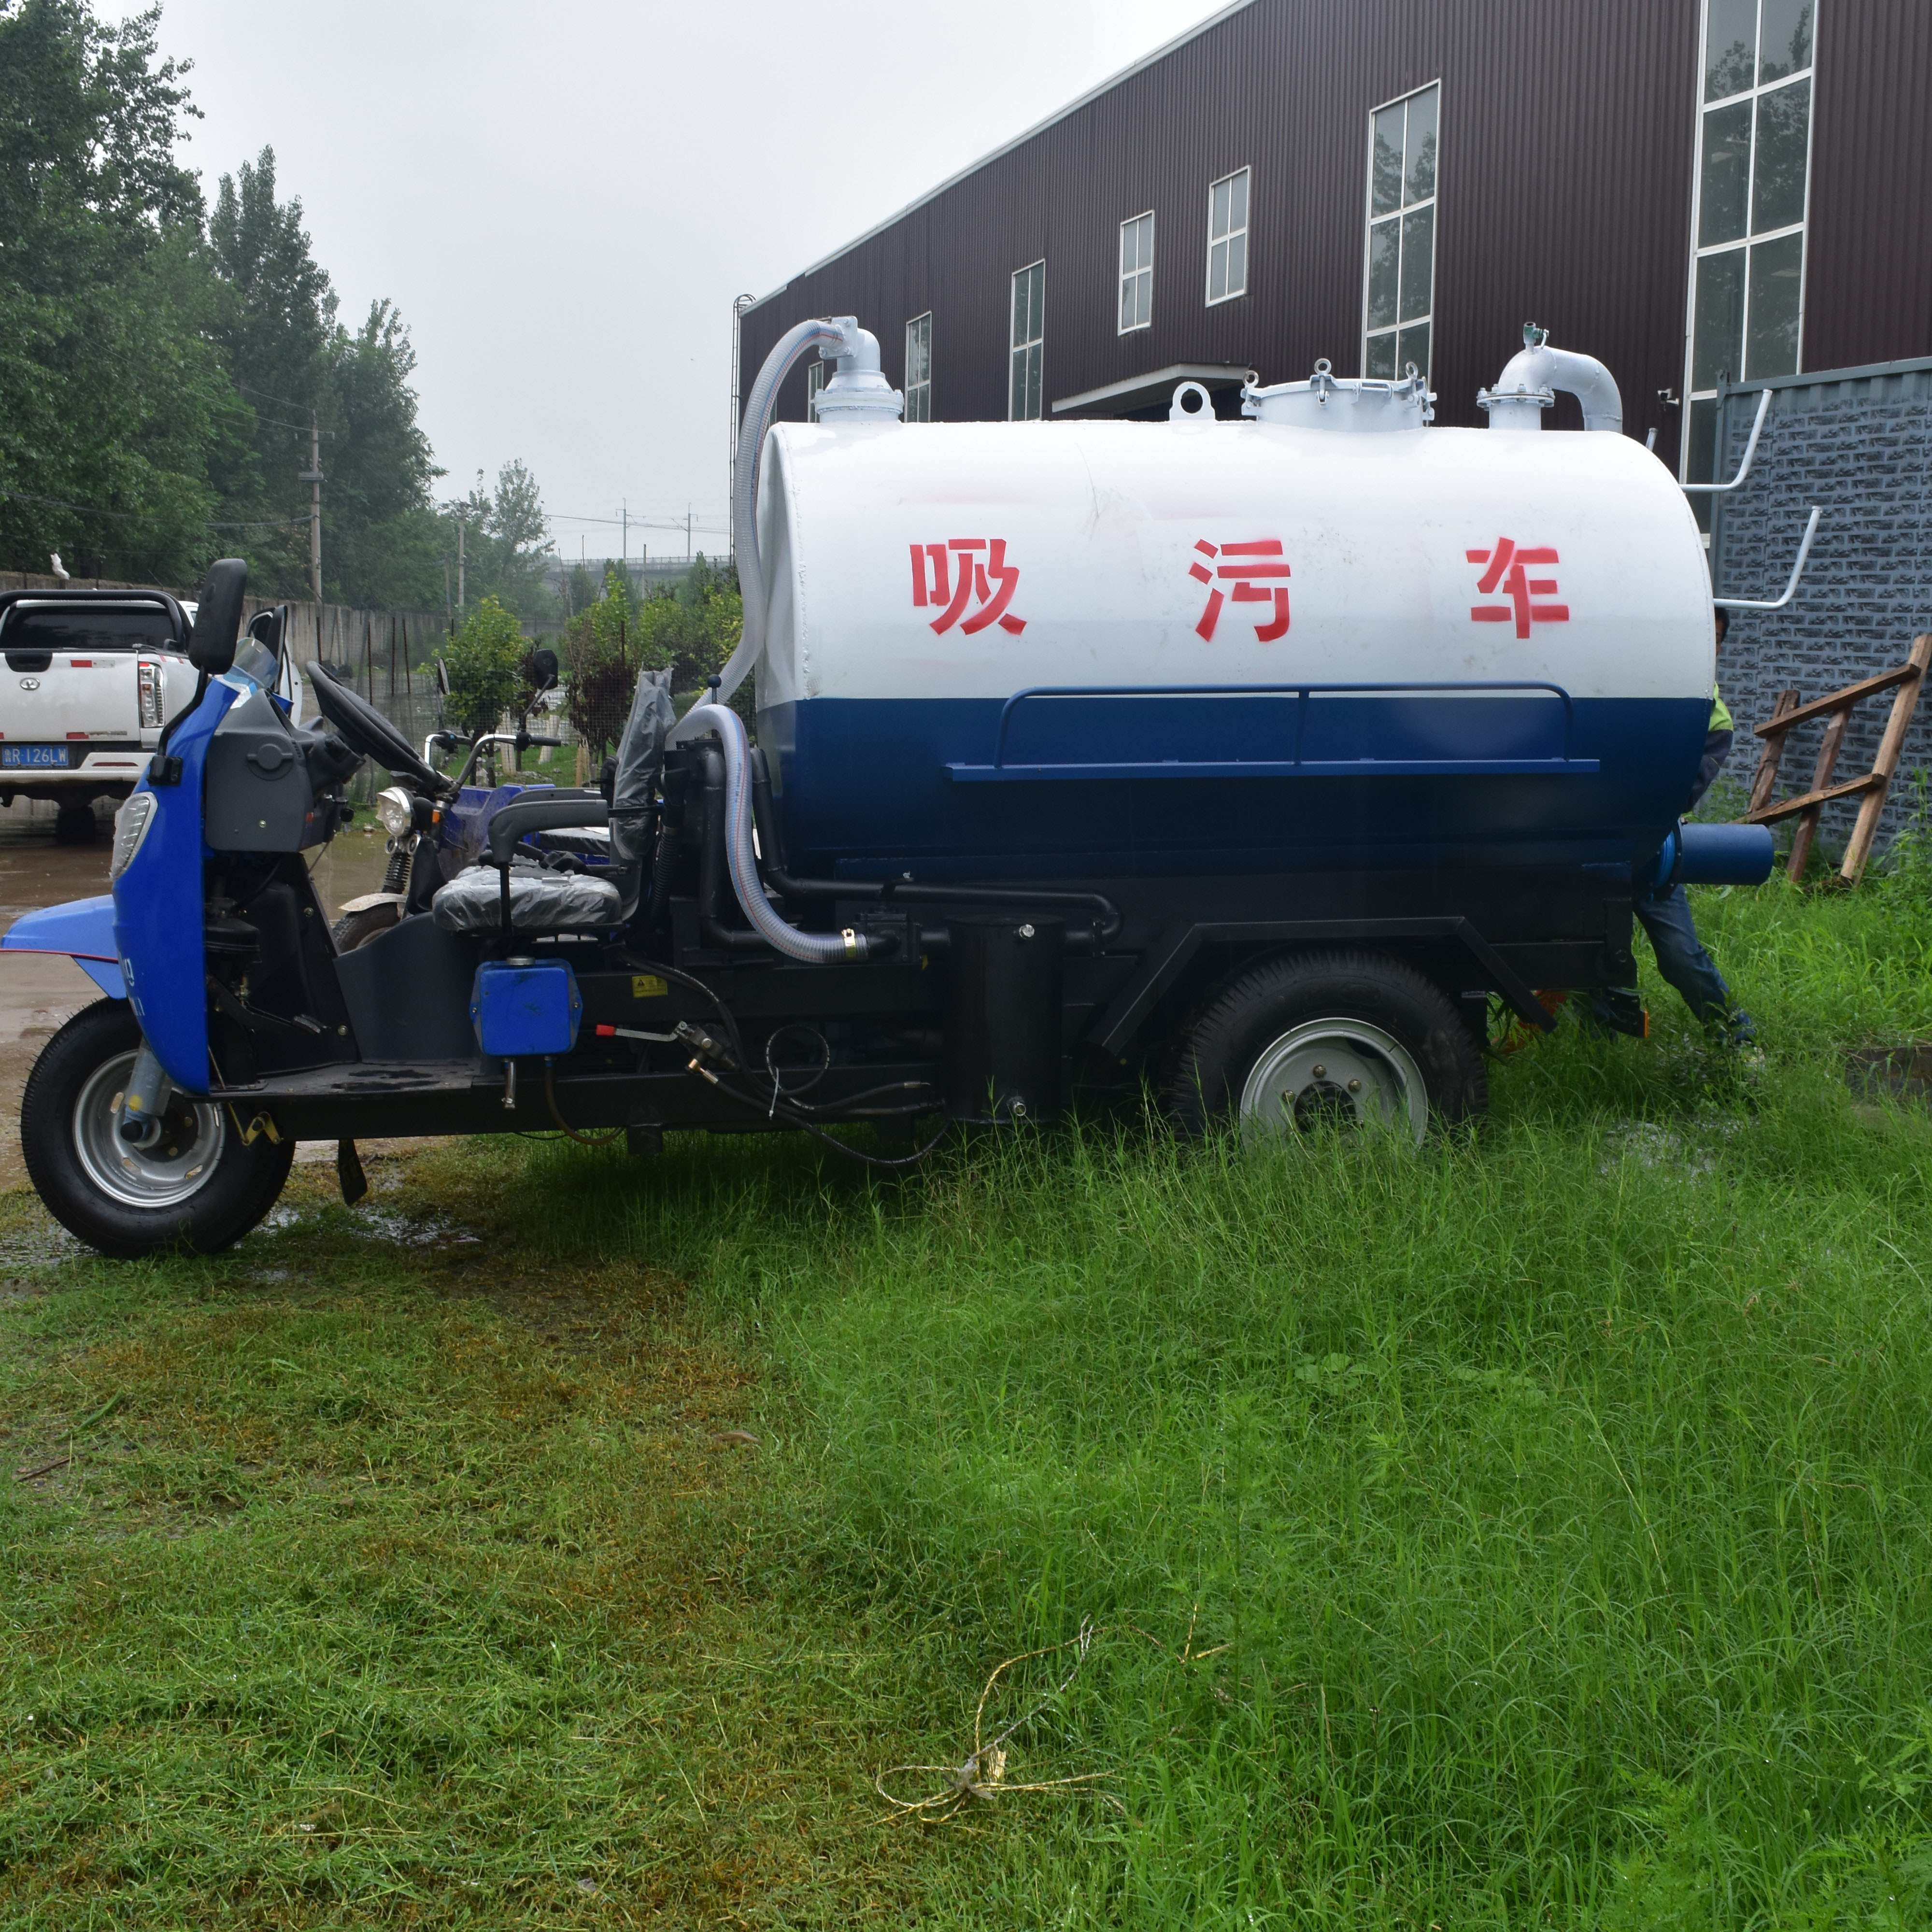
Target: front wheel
(198, 1187)
(1344, 1039)
(357, 929)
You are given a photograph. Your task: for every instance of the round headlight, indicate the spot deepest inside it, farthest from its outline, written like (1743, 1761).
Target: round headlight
(396, 810)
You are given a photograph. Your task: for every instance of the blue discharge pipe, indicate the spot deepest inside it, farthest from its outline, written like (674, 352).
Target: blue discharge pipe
(1710, 855)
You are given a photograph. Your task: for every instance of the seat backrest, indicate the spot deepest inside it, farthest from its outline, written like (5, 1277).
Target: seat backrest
(641, 753)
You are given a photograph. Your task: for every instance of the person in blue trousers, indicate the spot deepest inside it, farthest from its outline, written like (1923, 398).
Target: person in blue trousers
(1681, 956)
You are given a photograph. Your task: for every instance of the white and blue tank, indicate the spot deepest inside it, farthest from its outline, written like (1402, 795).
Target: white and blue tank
(1327, 636)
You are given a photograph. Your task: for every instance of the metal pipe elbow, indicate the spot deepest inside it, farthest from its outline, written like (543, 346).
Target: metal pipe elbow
(1530, 378)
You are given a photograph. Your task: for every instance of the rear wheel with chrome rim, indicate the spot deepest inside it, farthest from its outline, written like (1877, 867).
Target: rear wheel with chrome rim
(199, 1185)
(1347, 1040)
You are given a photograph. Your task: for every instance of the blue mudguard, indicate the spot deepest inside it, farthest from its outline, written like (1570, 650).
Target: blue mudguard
(157, 904)
(83, 929)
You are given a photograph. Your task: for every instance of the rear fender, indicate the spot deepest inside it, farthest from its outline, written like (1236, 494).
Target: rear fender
(83, 929)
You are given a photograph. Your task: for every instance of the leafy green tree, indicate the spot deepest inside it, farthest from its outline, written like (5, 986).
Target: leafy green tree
(290, 356)
(605, 648)
(507, 547)
(157, 375)
(484, 659)
(382, 542)
(112, 397)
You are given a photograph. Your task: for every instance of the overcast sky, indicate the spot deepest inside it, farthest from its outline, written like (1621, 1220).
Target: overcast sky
(563, 200)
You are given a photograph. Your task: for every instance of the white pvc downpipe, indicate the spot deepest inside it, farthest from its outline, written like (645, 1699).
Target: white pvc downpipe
(1530, 378)
(814, 949)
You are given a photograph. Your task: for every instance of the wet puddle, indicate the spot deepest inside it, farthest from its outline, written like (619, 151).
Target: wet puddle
(1903, 1073)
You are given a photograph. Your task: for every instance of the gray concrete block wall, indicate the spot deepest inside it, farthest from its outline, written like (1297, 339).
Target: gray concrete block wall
(1861, 446)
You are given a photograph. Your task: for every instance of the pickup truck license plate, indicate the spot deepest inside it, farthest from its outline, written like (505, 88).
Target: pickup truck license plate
(33, 754)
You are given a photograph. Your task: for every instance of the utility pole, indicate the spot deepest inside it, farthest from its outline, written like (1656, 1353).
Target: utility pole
(625, 538)
(738, 306)
(462, 524)
(312, 476)
(687, 533)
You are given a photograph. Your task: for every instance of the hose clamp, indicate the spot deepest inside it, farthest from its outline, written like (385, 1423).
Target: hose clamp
(851, 940)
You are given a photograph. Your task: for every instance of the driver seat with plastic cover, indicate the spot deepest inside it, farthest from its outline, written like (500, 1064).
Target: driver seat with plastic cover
(541, 901)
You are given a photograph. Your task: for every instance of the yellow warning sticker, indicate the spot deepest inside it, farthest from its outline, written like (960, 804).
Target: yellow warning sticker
(647, 986)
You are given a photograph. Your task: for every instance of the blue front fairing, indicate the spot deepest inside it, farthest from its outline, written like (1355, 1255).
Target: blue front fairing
(83, 929)
(157, 904)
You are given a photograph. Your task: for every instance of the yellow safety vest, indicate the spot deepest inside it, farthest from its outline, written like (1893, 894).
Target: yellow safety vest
(1720, 716)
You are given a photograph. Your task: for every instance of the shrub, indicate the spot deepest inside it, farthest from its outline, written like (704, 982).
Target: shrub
(484, 659)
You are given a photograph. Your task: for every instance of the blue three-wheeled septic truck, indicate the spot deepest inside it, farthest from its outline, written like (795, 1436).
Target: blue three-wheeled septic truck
(1252, 761)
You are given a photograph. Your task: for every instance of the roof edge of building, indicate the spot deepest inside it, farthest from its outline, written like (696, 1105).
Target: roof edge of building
(1040, 128)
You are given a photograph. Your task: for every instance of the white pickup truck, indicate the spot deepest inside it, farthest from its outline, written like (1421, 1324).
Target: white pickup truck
(91, 677)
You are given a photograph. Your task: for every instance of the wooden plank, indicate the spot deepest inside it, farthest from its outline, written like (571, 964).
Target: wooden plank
(1821, 780)
(1868, 687)
(1859, 851)
(1772, 733)
(1789, 807)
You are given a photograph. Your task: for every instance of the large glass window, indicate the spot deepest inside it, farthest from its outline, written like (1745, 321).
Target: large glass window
(919, 369)
(1136, 273)
(1228, 237)
(1398, 291)
(1029, 340)
(1748, 249)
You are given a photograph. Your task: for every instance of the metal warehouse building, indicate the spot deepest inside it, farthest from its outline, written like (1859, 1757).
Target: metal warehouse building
(1708, 195)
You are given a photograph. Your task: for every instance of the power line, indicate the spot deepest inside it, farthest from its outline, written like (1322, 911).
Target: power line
(275, 422)
(142, 516)
(287, 402)
(653, 523)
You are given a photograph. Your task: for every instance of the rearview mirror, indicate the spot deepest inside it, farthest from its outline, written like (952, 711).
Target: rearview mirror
(217, 617)
(443, 677)
(266, 628)
(540, 668)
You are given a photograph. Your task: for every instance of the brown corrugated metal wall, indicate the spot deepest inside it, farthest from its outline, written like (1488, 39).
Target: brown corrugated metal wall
(1868, 262)
(1567, 144)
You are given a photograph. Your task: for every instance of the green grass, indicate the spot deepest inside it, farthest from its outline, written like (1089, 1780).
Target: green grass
(1531, 1530)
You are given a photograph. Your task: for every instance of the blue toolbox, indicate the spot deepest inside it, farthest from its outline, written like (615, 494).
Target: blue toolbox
(524, 1006)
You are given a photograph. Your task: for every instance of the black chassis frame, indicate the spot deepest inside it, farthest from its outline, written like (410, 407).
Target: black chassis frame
(383, 1044)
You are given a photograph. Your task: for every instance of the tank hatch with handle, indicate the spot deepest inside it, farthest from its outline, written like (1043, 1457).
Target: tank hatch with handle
(1351, 405)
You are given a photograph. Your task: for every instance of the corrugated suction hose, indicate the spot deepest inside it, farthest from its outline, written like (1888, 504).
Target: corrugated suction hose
(816, 948)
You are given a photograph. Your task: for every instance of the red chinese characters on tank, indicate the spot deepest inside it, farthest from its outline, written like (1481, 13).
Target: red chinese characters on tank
(954, 574)
(1509, 566)
(1251, 571)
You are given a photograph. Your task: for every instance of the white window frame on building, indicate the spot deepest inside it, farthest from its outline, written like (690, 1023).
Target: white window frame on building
(1027, 358)
(1228, 219)
(1749, 219)
(1137, 273)
(919, 368)
(1398, 249)
(814, 381)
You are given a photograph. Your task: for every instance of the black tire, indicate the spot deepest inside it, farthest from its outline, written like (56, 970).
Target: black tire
(76, 824)
(1338, 1037)
(357, 929)
(130, 1203)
